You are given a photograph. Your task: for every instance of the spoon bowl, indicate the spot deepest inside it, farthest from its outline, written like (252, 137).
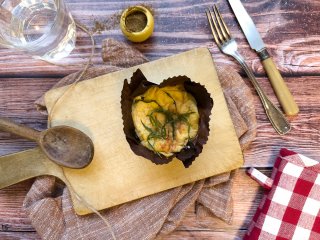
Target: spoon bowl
(64, 145)
(67, 146)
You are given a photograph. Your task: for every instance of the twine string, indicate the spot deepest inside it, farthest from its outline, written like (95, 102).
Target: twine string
(89, 206)
(57, 101)
(77, 79)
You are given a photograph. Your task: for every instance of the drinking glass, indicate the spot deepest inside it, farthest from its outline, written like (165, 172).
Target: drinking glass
(42, 28)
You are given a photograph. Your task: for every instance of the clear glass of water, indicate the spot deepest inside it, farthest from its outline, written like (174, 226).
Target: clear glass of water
(42, 28)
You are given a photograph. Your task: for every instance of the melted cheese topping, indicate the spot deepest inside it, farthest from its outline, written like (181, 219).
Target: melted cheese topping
(165, 119)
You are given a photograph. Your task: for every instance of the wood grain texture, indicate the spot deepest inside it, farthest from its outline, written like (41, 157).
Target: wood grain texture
(19, 236)
(93, 107)
(17, 97)
(191, 235)
(290, 31)
(303, 138)
(247, 195)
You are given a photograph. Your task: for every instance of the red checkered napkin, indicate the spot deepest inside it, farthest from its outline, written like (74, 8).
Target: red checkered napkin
(290, 208)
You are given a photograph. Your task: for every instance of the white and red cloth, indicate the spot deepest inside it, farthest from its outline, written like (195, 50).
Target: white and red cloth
(290, 207)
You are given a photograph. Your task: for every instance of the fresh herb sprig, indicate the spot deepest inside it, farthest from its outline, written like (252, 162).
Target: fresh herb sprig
(160, 130)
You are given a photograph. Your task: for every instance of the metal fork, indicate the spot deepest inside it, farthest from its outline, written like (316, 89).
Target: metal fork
(228, 45)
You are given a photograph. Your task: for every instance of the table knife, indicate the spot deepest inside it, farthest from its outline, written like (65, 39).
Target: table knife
(255, 41)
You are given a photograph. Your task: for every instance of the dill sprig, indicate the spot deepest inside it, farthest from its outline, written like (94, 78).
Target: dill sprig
(159, 130)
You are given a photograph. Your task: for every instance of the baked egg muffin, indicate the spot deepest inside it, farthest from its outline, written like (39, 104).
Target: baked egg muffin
(165, 119)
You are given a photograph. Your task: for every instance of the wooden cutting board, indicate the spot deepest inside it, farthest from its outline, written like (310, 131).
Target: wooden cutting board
(116, 175)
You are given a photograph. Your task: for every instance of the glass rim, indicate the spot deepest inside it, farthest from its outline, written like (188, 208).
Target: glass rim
(29, 45)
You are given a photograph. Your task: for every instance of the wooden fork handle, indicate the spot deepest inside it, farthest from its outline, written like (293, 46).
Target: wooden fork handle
(282, 92)
(18, 129)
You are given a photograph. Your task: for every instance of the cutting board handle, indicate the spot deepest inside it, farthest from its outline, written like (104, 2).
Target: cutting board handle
(24, 165)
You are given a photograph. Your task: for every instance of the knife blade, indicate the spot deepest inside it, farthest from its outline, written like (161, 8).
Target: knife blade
(249, 29)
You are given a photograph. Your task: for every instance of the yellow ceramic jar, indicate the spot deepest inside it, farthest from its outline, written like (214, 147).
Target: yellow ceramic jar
(137, 23)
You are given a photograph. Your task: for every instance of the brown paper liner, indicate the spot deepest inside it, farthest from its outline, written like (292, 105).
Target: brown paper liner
(139, 85)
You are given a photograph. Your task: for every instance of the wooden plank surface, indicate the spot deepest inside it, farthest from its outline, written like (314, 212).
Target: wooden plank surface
(290, 31)
(17, 97)
(247, 195)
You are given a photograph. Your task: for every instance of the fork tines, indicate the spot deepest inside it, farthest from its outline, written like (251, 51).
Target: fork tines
(218, 27)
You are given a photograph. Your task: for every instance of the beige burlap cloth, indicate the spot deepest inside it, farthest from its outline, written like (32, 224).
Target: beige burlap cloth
(48, 202)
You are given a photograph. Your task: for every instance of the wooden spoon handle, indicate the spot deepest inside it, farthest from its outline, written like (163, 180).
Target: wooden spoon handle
(18, 129)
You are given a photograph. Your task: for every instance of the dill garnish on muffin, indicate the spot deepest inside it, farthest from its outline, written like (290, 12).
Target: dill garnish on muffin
(165, 119)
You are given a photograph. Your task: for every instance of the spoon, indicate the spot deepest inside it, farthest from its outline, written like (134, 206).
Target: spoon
(64, 145)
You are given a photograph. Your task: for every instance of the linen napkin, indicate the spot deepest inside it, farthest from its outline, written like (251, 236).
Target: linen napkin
(290, 207)
(48, 203)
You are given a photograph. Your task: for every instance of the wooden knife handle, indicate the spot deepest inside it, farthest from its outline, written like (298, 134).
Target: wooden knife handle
(284, 95)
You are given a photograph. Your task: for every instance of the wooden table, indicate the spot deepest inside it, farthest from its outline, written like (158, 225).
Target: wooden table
(290, 30)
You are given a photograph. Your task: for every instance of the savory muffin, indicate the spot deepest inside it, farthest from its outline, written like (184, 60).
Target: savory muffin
(165, 119)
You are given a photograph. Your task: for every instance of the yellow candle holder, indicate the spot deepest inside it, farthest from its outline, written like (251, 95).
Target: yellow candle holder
(129, 26)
